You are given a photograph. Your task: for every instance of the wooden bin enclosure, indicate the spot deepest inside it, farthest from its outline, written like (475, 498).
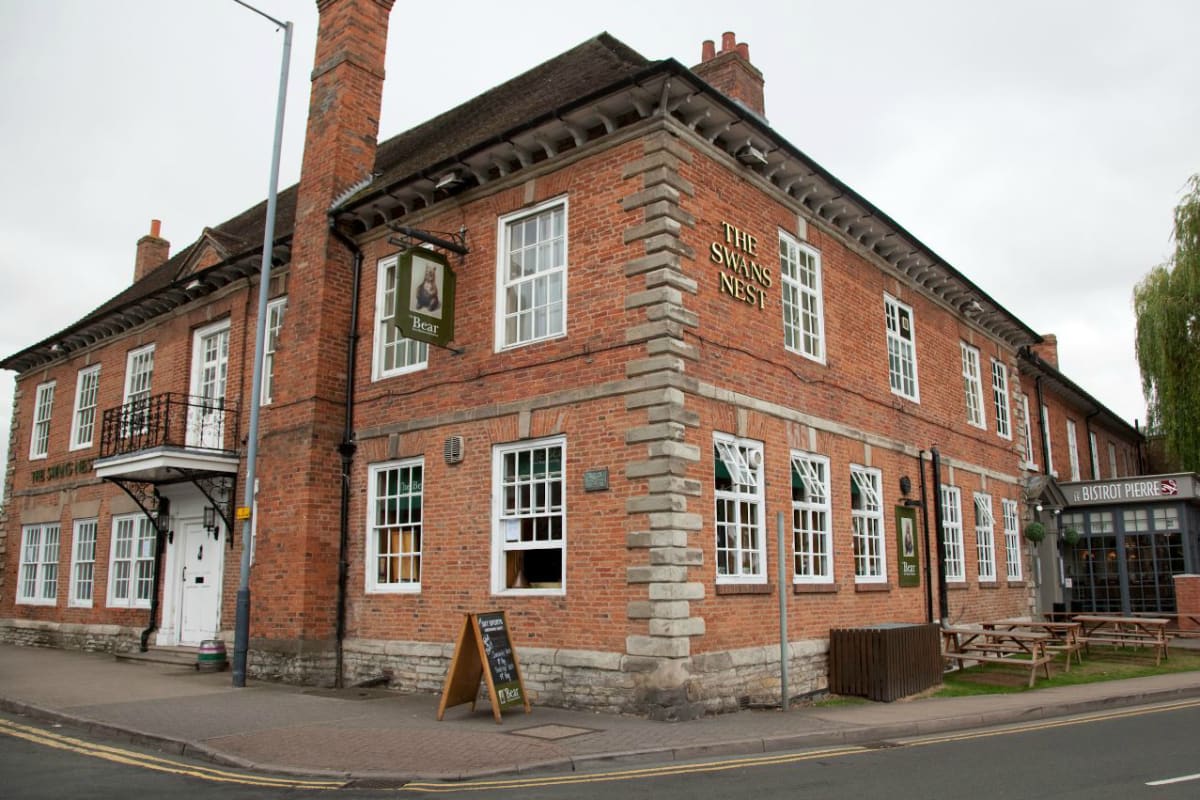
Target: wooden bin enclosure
(884, 662)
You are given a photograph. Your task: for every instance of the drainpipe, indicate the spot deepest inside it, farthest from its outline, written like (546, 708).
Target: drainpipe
(943, 597)
(925, 528)
(1044, 427)
(162, 521)
(346, 449)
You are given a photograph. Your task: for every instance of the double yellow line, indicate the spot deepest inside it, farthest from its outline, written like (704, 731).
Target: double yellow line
(157, 763)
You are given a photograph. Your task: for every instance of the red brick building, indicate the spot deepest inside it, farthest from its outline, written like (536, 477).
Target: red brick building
(671, 329)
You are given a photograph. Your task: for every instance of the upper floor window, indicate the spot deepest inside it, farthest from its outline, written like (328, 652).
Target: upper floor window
(1046, 438)
(83, 425)
(952, 533)
(740, 497)
(902, 349)
(972, 385)
(811, 533)
(1072, 450)
(531, 287)
(394, 354)
(38, 581)
(1000, 399)
(139, 369)
(395, 526)
(803, 314)
(866, 516)
(275, 310)
(985, 537)
(1094, 454)
(530, 517)
(1030, 461)
(1112, 460)
(39, 444)
(131, 564)
(1012, 540)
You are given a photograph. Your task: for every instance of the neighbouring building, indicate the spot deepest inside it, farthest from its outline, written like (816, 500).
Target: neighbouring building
(575, 349)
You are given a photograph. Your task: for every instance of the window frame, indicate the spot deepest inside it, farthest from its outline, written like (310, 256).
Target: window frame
(795, 293)
(43, 413)
(1094, 455)
(81, 561)
(952, 533)
(985, 537)
(1073, 449)
(1012, 540)
(42, 557)
(1046, 439)
(416, 354)
(901, 350)
(414, 556)
(1000, 399)
(867, 526)
(803, 526)
(142, 529)
(502, 544)
(135, 400)
(1112, 460)
(1030, 461)
(736, 498)
(503, 225)
(972, 375)
(85, 394)
(276, 309)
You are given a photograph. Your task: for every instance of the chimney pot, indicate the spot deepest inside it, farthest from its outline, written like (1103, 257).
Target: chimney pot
(731, 73)
(744, 50)
(155, 227)
(708, 50)
(728, 41)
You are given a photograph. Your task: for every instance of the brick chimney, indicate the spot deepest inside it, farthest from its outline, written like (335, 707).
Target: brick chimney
(298, 588)
(1048, 350)
(152, 252)
(731, 72)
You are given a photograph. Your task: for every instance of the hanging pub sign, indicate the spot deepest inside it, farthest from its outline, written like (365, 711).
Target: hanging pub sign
(425, 297)
(907, 546)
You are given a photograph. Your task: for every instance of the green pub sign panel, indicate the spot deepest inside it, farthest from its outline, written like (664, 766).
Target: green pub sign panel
(907, 546)
(425, 297)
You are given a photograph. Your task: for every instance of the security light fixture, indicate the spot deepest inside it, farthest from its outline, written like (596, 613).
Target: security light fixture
(451, 180)
(194, 285)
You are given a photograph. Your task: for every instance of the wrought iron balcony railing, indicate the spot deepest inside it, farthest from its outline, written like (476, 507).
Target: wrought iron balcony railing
(175, 420)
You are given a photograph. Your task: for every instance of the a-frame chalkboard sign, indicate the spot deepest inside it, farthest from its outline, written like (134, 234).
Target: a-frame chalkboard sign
(484, 651)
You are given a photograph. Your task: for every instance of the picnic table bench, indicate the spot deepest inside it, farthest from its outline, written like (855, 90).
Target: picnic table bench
(1064, 636)
(968, 644)
(1121, 631)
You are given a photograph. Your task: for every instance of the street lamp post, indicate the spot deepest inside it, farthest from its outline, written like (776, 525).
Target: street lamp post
(241, 629)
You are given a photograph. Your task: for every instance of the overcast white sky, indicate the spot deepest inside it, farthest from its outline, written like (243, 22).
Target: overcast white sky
(1039, 147)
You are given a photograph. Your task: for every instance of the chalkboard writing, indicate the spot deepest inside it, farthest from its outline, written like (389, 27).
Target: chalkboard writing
(484, 651)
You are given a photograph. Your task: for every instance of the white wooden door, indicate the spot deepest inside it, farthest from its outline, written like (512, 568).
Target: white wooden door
(200, 578)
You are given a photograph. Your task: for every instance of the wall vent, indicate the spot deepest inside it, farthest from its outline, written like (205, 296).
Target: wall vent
(453, 449)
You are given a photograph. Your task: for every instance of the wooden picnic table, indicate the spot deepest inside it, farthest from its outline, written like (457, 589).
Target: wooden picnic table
(1125, 631)
(1064, 636)
(1020, 648)
(1175, 628)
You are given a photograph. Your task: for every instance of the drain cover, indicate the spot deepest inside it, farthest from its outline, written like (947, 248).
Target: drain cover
(553, 731)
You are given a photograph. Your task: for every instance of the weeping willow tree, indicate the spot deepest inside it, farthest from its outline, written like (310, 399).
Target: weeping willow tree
(1167, 306)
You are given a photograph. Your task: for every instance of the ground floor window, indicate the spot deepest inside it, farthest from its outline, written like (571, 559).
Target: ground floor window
(985, 537)
(38, 583)
(811, 536)
(530, 517)
(866, 515)
(952, 533)
(83, 562)
(738, 485)
(131, 570)
(395, 526)
(1012, 540)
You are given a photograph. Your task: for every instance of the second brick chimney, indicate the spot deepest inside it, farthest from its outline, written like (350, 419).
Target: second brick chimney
(152, 252)
(1048, 350)
(731, 72)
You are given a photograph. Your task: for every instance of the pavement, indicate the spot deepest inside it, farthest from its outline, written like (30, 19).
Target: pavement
(382, 735)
